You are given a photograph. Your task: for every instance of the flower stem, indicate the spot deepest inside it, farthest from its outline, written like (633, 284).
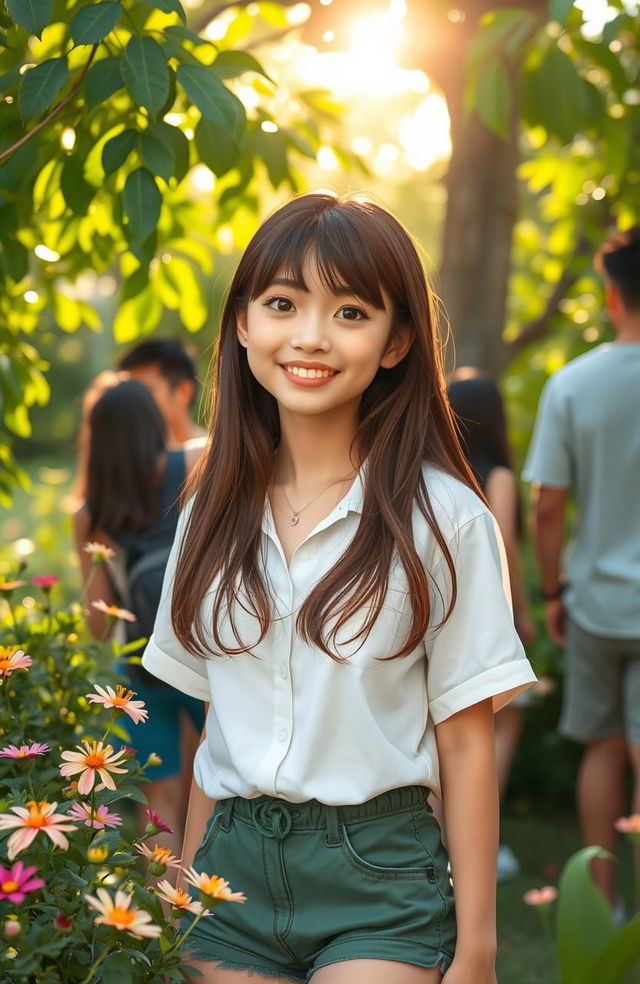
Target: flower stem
(90, 976)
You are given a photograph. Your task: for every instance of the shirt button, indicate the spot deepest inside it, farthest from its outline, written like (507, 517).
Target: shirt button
(282, 734)
(283, 671)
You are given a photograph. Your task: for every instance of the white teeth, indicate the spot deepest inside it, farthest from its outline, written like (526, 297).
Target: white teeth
(309, 373)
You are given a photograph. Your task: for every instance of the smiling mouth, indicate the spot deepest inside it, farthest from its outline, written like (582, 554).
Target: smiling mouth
(304, 373)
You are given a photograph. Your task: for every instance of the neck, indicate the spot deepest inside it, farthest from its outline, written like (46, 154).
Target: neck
(180, 431)
(315, 450)
(628, 328)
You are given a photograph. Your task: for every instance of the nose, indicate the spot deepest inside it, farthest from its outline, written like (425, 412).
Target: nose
(310, 335)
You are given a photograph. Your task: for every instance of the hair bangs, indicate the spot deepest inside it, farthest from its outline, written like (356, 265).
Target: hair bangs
(343, 261)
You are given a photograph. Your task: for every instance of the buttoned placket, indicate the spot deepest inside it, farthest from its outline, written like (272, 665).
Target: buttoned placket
(282, 630)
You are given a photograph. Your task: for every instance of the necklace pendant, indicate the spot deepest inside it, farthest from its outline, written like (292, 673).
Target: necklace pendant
(294, 519)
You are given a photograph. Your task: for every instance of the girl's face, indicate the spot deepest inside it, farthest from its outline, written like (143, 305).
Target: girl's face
(314, 350)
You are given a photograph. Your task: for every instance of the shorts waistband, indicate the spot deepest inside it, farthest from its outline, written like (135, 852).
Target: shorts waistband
(277, 817)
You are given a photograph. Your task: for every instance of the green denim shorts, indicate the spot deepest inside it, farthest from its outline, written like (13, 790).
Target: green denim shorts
(326, 884)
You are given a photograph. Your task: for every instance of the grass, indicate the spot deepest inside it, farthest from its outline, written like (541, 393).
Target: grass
(542, 845)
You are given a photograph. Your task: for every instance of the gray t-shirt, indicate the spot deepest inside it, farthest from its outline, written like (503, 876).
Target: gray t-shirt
(587, 438)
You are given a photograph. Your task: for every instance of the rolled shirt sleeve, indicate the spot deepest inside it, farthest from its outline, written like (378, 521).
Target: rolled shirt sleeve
(549, 459)
(476, 654)
(164, 656)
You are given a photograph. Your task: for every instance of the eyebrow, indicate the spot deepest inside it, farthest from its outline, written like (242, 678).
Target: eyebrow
(342, 290)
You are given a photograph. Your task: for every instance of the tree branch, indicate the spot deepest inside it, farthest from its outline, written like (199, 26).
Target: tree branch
(53, 113)
(538, 327)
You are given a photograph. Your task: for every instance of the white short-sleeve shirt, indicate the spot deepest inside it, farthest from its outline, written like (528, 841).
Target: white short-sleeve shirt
(289, 721)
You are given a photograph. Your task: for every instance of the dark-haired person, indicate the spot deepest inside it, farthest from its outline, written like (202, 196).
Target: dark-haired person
(133, 485)
(587, 444)
(168, 370)
(336, 594)
(477, 403)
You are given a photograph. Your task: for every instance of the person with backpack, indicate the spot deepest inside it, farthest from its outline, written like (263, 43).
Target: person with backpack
(131, 504)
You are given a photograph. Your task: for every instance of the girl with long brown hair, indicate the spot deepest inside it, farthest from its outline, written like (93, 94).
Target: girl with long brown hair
(337, 592)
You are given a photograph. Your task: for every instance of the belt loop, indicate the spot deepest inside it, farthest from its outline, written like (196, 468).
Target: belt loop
(333, 836)
(226, 812)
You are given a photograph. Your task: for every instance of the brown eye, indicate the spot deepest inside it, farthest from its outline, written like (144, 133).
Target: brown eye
(282, 304)
(351, 313)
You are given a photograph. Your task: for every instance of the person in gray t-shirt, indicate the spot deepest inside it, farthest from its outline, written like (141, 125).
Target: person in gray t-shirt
(587, 442)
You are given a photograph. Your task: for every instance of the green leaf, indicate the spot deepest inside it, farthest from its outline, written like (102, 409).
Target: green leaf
(230, 64)
(17, 169)
(216, 147)
(184, 34)
(177, 141)
(618, 957)
(211, 97)
(15, 257)
(116, 150)
(78, 193)
(146, 73)
(170, 7)
(497, 29)
(156, 155)
(493, 97)
(91, 24)
(585, 921)
(138, 316)
(103, 79)
(41, 85)
(141, 200)
(559, 10)
(553, 94)
(34, 15)
(272, 148)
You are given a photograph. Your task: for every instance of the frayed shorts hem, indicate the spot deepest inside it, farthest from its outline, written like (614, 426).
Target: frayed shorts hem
(380, 949)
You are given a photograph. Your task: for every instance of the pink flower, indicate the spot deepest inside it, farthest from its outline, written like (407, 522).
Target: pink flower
(62, 922)
(24, 751)
(120, 699)
(98, 818)
(156, 825)
(628, 825)
(91, 759)
(541, 896)
(17, 881)
(31, 819)
(112, 611)
(45, 581)
(12, 659)
(118, 913)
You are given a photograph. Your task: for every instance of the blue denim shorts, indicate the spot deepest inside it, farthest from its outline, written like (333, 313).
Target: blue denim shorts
(326, 884)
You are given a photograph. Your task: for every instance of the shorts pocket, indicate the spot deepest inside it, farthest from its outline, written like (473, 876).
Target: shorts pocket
(387, 849)
(210, 835)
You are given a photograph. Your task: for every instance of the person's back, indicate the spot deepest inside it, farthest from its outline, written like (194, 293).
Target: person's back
(592, 406)
(587, 443)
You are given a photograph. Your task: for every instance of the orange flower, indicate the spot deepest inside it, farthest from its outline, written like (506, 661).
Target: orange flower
(31, 819)
(112, 611)
(120, 699)
(11, 585)
(178, 898)
(12, 659)
(160, 856)
(541, 896)
(628, 825)
(212, 886)
(118, 913)
(92, 758)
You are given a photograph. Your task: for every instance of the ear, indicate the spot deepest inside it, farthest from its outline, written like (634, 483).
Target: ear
(241, 328)
(186, 390)
(399, 344)
(612, 298)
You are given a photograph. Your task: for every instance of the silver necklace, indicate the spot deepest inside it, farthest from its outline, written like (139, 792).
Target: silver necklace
(295, 513)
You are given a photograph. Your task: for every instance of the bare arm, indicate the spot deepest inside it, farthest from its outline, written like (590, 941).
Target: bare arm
(502, 493)
(548, 515)
(466, 751)
(95, 578)
(198, 812)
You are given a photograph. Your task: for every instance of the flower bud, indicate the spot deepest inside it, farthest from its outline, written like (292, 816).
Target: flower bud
(156, 868)
(62, 922)
(96, 855)
(153, 760)
(12, 928)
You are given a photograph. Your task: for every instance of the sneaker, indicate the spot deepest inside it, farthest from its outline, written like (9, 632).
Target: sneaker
(508, 866)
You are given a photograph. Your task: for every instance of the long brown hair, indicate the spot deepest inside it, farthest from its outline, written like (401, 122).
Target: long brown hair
(404, 420)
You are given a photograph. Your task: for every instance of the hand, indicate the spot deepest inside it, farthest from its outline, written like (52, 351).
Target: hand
(464, 971)
(555, 617)
(525, 627)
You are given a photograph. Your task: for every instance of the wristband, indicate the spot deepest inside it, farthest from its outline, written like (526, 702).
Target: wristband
(554, 595)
